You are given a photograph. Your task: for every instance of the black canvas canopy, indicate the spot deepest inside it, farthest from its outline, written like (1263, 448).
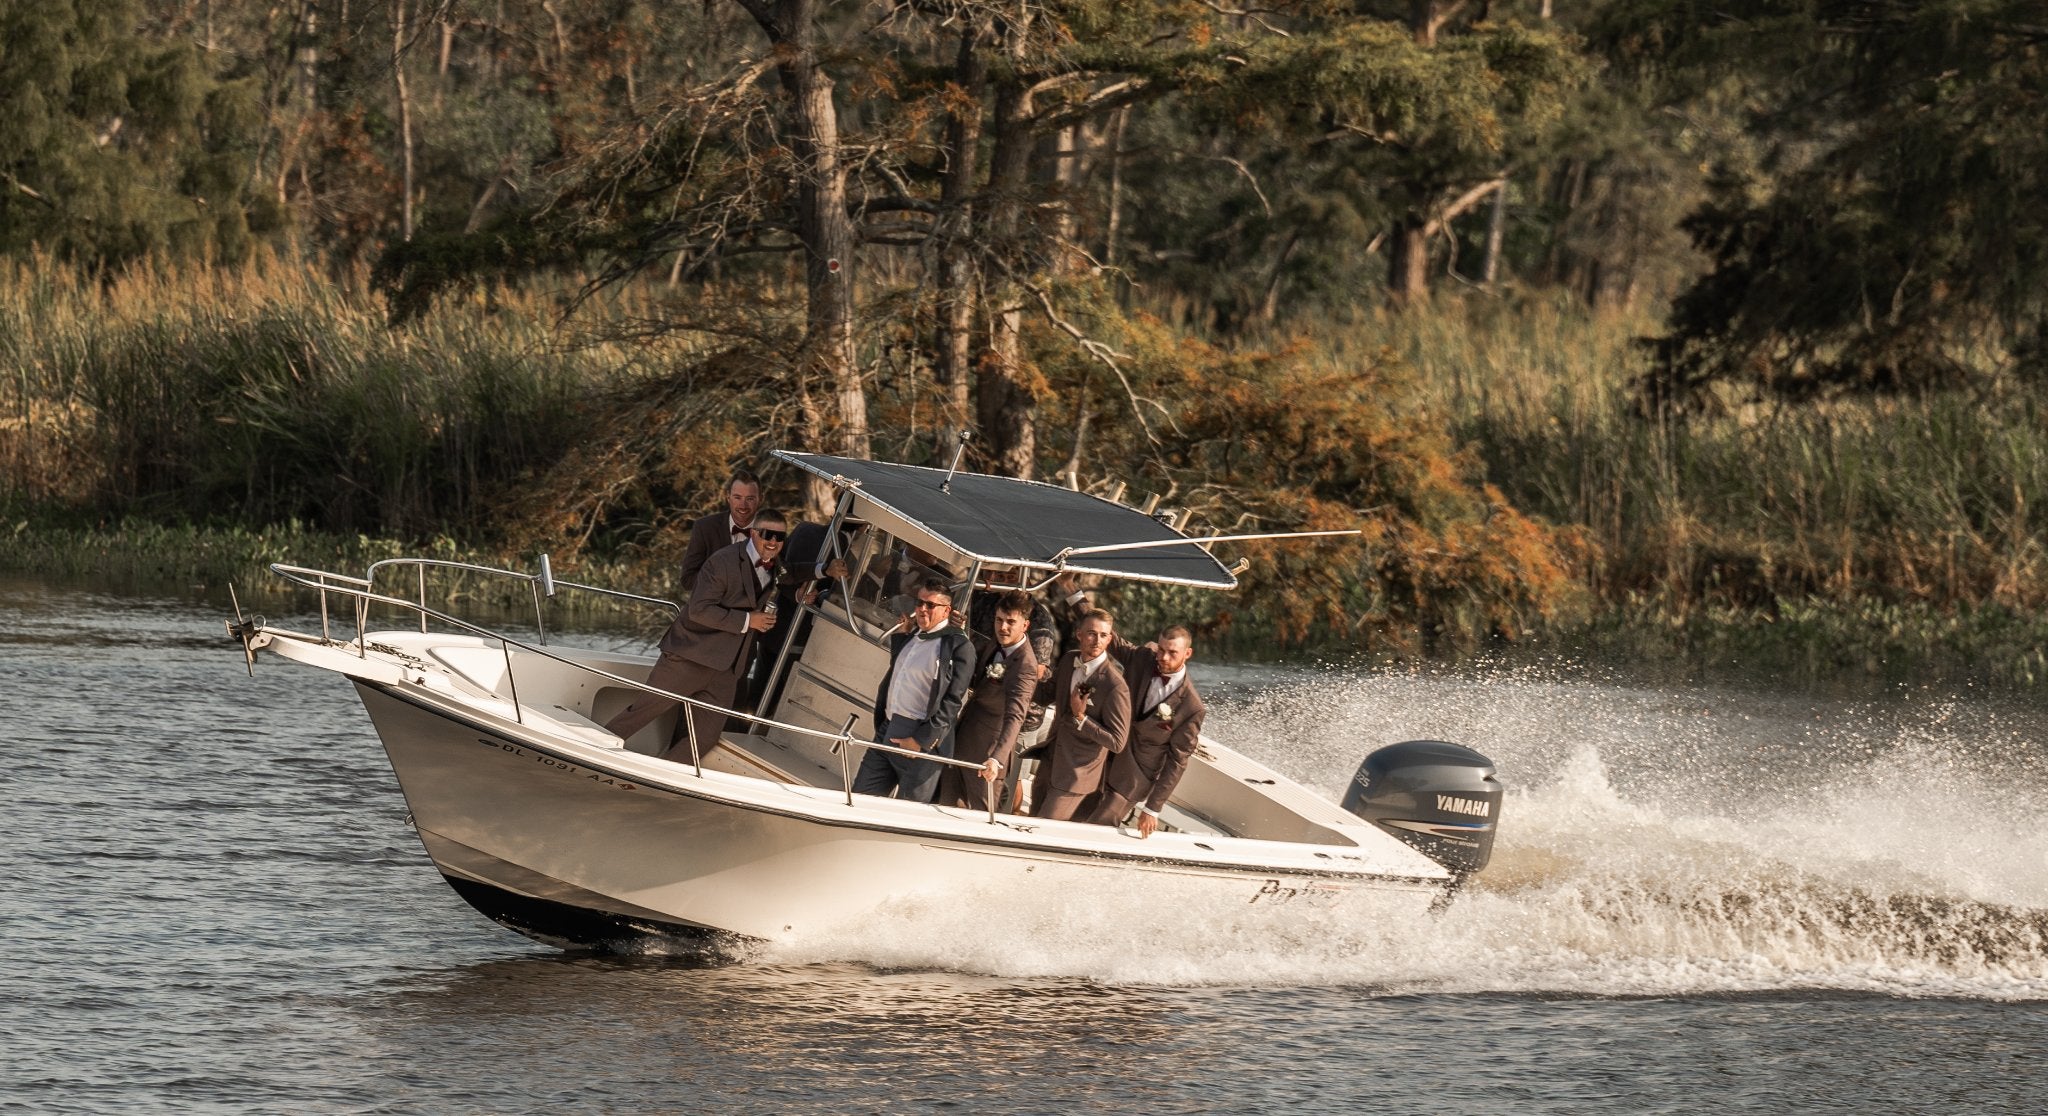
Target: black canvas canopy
(1010, 522)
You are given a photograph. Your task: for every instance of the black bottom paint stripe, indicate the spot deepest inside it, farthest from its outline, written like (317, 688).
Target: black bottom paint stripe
(580, 928)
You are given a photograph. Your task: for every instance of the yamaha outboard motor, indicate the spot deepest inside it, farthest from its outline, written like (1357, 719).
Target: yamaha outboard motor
(1439, 797)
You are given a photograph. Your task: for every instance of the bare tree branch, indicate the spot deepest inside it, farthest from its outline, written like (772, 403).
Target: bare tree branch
(1101, 352)
(1256, 15)
(1462, 203)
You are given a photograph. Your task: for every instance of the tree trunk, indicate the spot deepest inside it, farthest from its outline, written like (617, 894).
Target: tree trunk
(1007, 411)
(1496, 234)
(1114, 223)
(955, 358)
(1408, 263)
(824, 226)
(1422, 21)
(404, 118)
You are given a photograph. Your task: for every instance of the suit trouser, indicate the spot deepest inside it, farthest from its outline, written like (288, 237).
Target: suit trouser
(1110, 808)
(692, 680)
(1057, 805)
(973, 739)
(913, 780)
(966, 789)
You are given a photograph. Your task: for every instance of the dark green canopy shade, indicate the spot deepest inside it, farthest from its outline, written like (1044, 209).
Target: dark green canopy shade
(1006, 521)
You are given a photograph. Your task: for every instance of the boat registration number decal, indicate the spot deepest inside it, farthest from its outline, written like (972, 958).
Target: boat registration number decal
(561, 765)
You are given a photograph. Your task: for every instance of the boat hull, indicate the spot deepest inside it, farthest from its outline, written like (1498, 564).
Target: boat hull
(583, 850)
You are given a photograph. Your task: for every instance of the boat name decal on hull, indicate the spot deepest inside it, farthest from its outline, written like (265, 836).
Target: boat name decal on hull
(1321, 895)
(561, 765)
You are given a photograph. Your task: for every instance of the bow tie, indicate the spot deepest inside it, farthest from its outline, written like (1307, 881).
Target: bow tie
(764, 563)
(931, 635)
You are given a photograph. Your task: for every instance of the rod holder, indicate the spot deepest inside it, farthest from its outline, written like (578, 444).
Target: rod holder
(547, 576)
(959, 451)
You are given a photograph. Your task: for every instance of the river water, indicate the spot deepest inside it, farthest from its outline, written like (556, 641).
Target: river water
(1702, 900)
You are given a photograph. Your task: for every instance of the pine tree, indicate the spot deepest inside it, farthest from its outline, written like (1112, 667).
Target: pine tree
(113, 146)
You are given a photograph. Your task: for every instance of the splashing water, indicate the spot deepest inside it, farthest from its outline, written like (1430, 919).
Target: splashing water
(1652, 843)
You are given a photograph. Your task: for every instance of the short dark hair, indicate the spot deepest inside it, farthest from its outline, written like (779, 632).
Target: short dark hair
(1101, 614)
(1016, 602)
(742, 476)
(934, 585)
(1177, 632)
(770, 515)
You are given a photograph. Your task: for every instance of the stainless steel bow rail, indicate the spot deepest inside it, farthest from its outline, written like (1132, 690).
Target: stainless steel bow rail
(363, 592)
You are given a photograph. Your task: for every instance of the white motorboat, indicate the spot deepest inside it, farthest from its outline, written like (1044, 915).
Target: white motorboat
(556, 828)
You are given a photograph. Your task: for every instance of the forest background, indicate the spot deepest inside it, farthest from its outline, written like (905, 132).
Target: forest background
(1704, 334)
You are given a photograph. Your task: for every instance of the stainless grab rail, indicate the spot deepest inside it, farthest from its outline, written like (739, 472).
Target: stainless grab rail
(363, 592)
(544, 579)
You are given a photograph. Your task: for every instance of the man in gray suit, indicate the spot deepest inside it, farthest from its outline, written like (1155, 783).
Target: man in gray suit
(719, 530)
(1005, 677)
(705, 649)
(930, 668)
(1166, 727)
(1092, 710)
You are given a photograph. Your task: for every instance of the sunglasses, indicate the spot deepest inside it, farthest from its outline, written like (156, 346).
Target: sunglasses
(935, 606)
(769, 534)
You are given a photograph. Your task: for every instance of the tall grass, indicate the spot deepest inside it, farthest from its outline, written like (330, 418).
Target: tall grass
(277, 393)
(1879, 534)
(1868, 534)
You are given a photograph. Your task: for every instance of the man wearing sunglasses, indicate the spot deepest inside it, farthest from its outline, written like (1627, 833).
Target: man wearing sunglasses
(705, 650)
(930, 668)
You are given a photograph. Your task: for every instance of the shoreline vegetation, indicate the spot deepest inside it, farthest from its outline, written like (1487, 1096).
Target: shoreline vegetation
(185, 426)
(1636, 331)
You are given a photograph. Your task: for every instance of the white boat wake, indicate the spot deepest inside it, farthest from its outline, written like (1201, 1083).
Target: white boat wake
(1654, 844)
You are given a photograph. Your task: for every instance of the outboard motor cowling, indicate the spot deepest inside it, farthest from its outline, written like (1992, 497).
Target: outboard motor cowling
(1439, 797)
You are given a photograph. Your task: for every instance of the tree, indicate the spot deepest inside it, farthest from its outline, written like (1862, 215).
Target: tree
(1891, 238)
(113, 146)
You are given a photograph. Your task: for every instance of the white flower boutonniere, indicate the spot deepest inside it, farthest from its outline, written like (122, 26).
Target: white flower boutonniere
(995, 670)
(1164, 712)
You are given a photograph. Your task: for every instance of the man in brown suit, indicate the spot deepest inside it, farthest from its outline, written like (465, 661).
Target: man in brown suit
(1092, 707)
(1166, 727)
(705, 649)
(719, 530)
(1005, 677)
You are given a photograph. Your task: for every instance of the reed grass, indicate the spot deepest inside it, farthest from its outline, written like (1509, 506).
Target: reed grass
(1873, 535)
(277, 392)
(197, 424)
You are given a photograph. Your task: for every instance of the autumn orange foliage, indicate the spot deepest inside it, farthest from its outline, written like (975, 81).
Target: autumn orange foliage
(1288, 439)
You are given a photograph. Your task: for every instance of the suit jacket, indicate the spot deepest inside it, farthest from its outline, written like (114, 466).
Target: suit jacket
(712, 631)
(800, 563)
(708, 536)
(1157, 755)
(997, 707)
(1080, 753)
(949, 691)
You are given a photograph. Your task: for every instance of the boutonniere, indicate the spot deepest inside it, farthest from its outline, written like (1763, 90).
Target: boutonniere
(995, 669)
(1164, 712)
